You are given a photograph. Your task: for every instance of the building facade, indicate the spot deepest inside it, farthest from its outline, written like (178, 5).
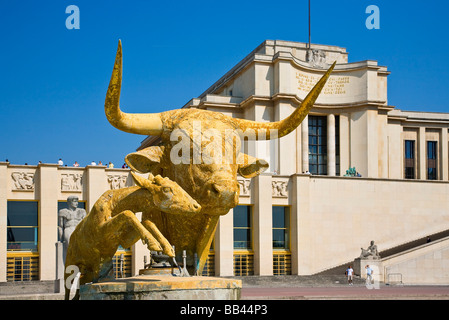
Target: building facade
(308, 212)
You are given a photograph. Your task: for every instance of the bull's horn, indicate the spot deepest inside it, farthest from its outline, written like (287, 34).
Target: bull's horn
(284, 127)
(145, 123)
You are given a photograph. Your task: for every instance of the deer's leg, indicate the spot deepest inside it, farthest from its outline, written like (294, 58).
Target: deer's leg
(126, 229)
(167, 248)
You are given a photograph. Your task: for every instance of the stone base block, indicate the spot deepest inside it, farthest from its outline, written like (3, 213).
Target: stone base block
(375, 264)
(163, 287)
(159, 272)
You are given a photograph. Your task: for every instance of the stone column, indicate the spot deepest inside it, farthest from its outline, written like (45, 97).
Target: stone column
(96, 184)
(422, 163)
(262, 226)
(444, 155)
(344, 143)
(59, 283)
(139, 250)
(305, 144)
(300, 228)
(224, 246)
(286, 145)
(3, 219)
(298, 155)
(372, 140)
(331, 145)
(49, 186)
(260, 148)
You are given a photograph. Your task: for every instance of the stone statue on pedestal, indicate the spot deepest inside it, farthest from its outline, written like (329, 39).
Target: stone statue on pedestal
(370, 252)
(68, 219)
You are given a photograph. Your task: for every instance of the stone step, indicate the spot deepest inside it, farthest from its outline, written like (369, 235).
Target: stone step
(26, 287)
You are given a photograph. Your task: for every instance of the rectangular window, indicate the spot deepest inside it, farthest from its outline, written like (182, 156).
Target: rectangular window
(432, 160)
(409, 159)
(22, 225)
(281, 227)
(318, 145)
(242, 227)
(23, 266)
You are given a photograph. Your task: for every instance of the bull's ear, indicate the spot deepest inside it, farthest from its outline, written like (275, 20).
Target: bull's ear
(250, 167)
(141, 181)
(145, 160)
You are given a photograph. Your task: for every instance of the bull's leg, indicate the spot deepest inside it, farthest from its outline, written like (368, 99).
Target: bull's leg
(124, 226)
(167, 248)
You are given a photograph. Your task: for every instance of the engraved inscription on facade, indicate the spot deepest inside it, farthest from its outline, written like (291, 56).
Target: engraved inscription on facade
(245, 185)
(23, 181)
(117, 181)
(71, 182)
(279, 188)
(334, 85)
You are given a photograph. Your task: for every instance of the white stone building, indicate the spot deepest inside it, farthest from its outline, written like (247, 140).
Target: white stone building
(302, 216)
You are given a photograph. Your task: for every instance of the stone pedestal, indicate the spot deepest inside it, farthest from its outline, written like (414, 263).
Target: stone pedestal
(163, 287)
(375, 264)
(59, 282)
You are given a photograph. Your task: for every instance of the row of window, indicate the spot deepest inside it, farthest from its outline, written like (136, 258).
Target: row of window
(410, 160)
(243, 227)
(243, 245)
(318, 151)
(22, 226)
(22, 237)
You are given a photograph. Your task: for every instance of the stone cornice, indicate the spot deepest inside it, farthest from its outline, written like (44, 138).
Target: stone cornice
(415, 118)
(256, 57)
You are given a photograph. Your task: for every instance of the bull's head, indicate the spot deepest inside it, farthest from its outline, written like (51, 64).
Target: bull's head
(212, 183)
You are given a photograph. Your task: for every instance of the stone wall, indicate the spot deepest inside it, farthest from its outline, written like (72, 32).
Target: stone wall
(427, 264)
(336, 216)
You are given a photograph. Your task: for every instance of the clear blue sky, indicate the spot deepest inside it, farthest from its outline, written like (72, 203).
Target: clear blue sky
(53, 80)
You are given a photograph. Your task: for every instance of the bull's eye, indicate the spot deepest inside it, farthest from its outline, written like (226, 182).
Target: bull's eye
(166, 189)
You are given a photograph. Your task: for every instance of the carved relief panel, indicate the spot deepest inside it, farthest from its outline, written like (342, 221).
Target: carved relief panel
(279, 188)
(71, 182)
(22, 181)
(117, 181)
(245, 187)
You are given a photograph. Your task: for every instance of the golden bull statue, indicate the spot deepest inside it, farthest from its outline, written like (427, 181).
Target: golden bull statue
(200, 152)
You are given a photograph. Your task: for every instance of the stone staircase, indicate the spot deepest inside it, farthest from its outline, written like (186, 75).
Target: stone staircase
(26, 287)
(389, 252)
(328, 280)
